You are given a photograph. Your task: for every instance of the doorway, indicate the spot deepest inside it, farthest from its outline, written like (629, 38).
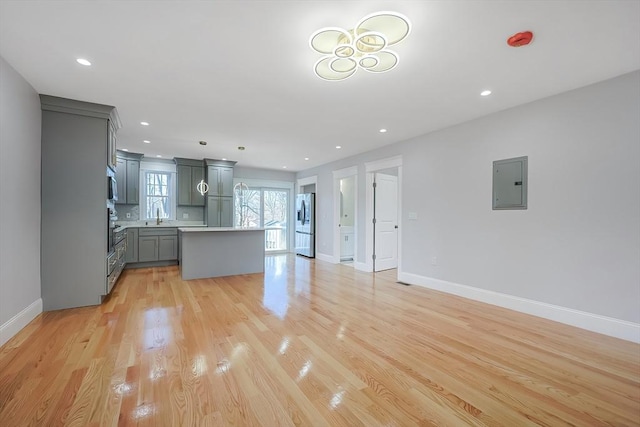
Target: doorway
(345, 217)
(383, 204)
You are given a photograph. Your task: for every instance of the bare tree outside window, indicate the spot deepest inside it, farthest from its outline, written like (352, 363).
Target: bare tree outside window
(247, 208)
(268, 208)
(157, 194)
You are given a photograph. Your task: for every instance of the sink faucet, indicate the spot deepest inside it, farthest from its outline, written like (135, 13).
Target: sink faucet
(158, 220)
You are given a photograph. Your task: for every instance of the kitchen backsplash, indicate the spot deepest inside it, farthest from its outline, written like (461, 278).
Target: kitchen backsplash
(194, 213)
(132, 210)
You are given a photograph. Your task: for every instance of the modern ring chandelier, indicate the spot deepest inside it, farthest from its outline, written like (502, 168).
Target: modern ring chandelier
(365, 46)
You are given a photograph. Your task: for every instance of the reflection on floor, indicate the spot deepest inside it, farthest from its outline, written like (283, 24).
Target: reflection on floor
(308, 343)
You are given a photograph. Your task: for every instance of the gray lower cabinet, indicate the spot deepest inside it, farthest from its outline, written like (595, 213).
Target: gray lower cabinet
(147, 248)
(157, 244)
(220, 212)
(132, 245)
(167, 248)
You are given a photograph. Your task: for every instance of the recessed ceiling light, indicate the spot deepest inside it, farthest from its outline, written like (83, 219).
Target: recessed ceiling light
(83, 62)
(383, 130)
(146, 141)
(224, 158)
(144, 123)
(284, 167)
(306, 158)
(125, 149)
(158, 155)
(338, 147)
(485, 93)
(202, 142)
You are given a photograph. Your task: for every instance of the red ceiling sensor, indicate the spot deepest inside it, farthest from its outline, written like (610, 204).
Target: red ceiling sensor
(520, 39)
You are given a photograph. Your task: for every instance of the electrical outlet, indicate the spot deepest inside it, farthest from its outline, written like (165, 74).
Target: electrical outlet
(128, 215)
(434, 260)
(185, 215)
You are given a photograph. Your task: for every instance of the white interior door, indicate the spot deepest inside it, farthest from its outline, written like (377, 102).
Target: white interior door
(386, 215)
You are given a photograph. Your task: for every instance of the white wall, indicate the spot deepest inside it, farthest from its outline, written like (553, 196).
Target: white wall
(578, 243)
(20, 119)
(264, 174)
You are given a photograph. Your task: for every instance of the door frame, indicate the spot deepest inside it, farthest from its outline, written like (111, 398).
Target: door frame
(370, 169)
(337, 176)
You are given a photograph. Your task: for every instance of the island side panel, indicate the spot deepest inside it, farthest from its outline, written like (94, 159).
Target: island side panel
(221, 253)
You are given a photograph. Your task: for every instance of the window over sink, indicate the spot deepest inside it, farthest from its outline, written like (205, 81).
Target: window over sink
(157, 195)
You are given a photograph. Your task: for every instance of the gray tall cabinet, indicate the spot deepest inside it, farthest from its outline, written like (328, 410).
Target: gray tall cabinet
(219, 203)
(78, 144)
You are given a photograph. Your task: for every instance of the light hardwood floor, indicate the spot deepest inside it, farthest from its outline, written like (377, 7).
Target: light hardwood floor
(308, 343)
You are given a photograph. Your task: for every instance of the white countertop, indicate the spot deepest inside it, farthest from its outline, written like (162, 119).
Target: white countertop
(216, 229)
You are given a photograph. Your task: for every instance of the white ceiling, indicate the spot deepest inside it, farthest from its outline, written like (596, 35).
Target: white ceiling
(240, 72)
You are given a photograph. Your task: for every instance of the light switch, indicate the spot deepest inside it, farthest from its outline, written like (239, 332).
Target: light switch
(185, 215)
(413, 215)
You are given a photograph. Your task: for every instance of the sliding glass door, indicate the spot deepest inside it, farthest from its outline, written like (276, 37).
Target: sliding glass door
(267, 208)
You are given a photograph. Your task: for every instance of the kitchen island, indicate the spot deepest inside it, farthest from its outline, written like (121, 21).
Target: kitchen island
(220, 251)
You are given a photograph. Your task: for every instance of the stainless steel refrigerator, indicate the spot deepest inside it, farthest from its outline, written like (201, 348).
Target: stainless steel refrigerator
(306, 225)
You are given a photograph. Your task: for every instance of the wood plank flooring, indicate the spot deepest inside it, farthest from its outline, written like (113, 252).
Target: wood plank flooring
(312, 344)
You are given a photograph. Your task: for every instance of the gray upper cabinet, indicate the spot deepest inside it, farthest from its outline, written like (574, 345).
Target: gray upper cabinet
(190, 174)
(111, 144)
(133, 182)
(197, 176)
(220, 177)
(184, 185)
(121, 180)
(128, 178)
(77, 138)
(220, 180)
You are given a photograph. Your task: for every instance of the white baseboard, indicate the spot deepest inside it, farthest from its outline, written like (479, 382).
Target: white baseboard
(19, 321)
(325, 257)
(362, 266)
(592, 322)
